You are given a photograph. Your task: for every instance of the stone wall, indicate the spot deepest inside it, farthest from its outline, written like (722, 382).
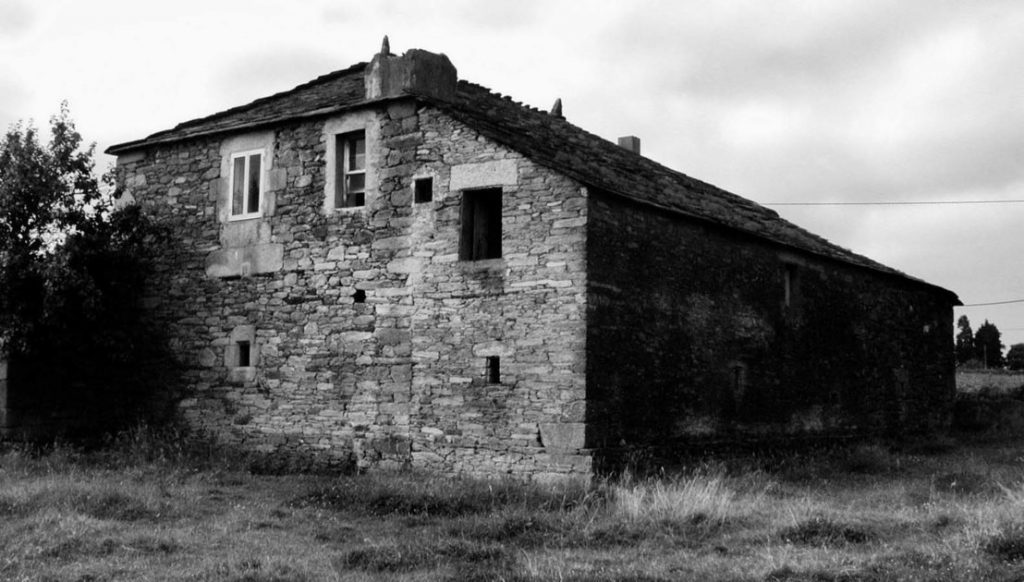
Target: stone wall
(370, 337)
(701, 334)
(990, 381)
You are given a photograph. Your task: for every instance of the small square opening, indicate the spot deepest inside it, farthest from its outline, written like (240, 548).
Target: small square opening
(423, 190)
(244, 354)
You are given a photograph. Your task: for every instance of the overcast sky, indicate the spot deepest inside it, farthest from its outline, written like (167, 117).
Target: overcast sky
(781, 101)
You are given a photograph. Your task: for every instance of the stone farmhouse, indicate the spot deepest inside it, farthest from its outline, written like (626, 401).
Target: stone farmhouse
(391, 267)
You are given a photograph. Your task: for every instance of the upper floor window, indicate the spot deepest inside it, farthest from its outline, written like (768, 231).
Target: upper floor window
(481, 225)
(350, 180)
(246, 184)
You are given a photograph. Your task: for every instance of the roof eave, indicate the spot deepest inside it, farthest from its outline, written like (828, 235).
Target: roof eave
(954, 299)
(156, 138)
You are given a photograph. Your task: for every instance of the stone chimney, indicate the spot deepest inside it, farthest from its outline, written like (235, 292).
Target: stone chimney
(631, 143)
(416, 72)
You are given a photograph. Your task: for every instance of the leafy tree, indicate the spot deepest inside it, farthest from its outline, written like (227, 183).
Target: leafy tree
(988, 345)
(46, 192)
(964, 341)
(1015, 357)
(71, 275)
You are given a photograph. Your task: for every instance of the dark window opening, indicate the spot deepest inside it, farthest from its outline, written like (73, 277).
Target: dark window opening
(735, 403)
(789, 283)
(359, 296)
(493, 370)
(350, 170)
(481, 225)
(243, 354)
(423, 189)
(739, 379)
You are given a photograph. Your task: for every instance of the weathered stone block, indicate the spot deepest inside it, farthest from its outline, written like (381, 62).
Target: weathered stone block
(245, 261)
(563, 436)
(484, 174)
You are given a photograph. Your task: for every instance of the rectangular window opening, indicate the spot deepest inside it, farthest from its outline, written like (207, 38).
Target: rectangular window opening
(789, 285)
(246, 187)
(423, 189)
(243, 354)
(493, 370)
(481, 225)
(350, 176)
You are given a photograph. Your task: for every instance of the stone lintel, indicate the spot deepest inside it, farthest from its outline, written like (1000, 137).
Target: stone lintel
(484, 175)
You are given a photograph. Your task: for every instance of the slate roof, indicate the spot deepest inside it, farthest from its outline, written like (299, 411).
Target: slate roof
(547, 140)
(324, 95)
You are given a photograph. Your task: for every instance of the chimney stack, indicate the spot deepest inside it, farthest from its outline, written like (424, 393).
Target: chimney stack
(416, 72)
(631, 143)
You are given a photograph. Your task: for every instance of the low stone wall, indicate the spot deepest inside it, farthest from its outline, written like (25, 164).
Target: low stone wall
(990, 381)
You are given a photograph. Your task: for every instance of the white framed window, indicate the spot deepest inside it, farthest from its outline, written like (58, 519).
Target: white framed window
(350, 167)
(246, 184)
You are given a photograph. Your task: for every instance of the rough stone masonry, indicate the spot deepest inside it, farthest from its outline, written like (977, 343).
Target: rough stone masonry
(388, 267)
(369, 339)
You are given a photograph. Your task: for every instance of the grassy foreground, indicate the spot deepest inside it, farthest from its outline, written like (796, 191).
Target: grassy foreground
(147, 510)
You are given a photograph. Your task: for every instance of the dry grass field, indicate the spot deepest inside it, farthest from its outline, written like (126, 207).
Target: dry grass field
(145, 509)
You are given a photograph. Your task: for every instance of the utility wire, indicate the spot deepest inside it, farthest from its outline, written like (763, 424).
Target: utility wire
(994, 303)
(896, 203)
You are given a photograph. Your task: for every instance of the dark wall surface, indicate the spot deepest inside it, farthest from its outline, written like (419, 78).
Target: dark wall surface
(700, 334)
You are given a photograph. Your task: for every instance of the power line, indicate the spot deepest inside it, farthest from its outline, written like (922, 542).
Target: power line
(994, 303)
(896, 203)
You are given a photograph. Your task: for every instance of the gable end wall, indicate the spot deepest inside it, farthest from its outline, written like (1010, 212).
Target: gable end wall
(400, 379)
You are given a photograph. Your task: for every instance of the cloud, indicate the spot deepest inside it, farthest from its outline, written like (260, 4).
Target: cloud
(16, 18)
(13, 101)
(862, 100)
(464, 16)
(259, 74)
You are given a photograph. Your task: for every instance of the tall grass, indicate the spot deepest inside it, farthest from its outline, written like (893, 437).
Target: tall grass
(144, 508)
(696, 498)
